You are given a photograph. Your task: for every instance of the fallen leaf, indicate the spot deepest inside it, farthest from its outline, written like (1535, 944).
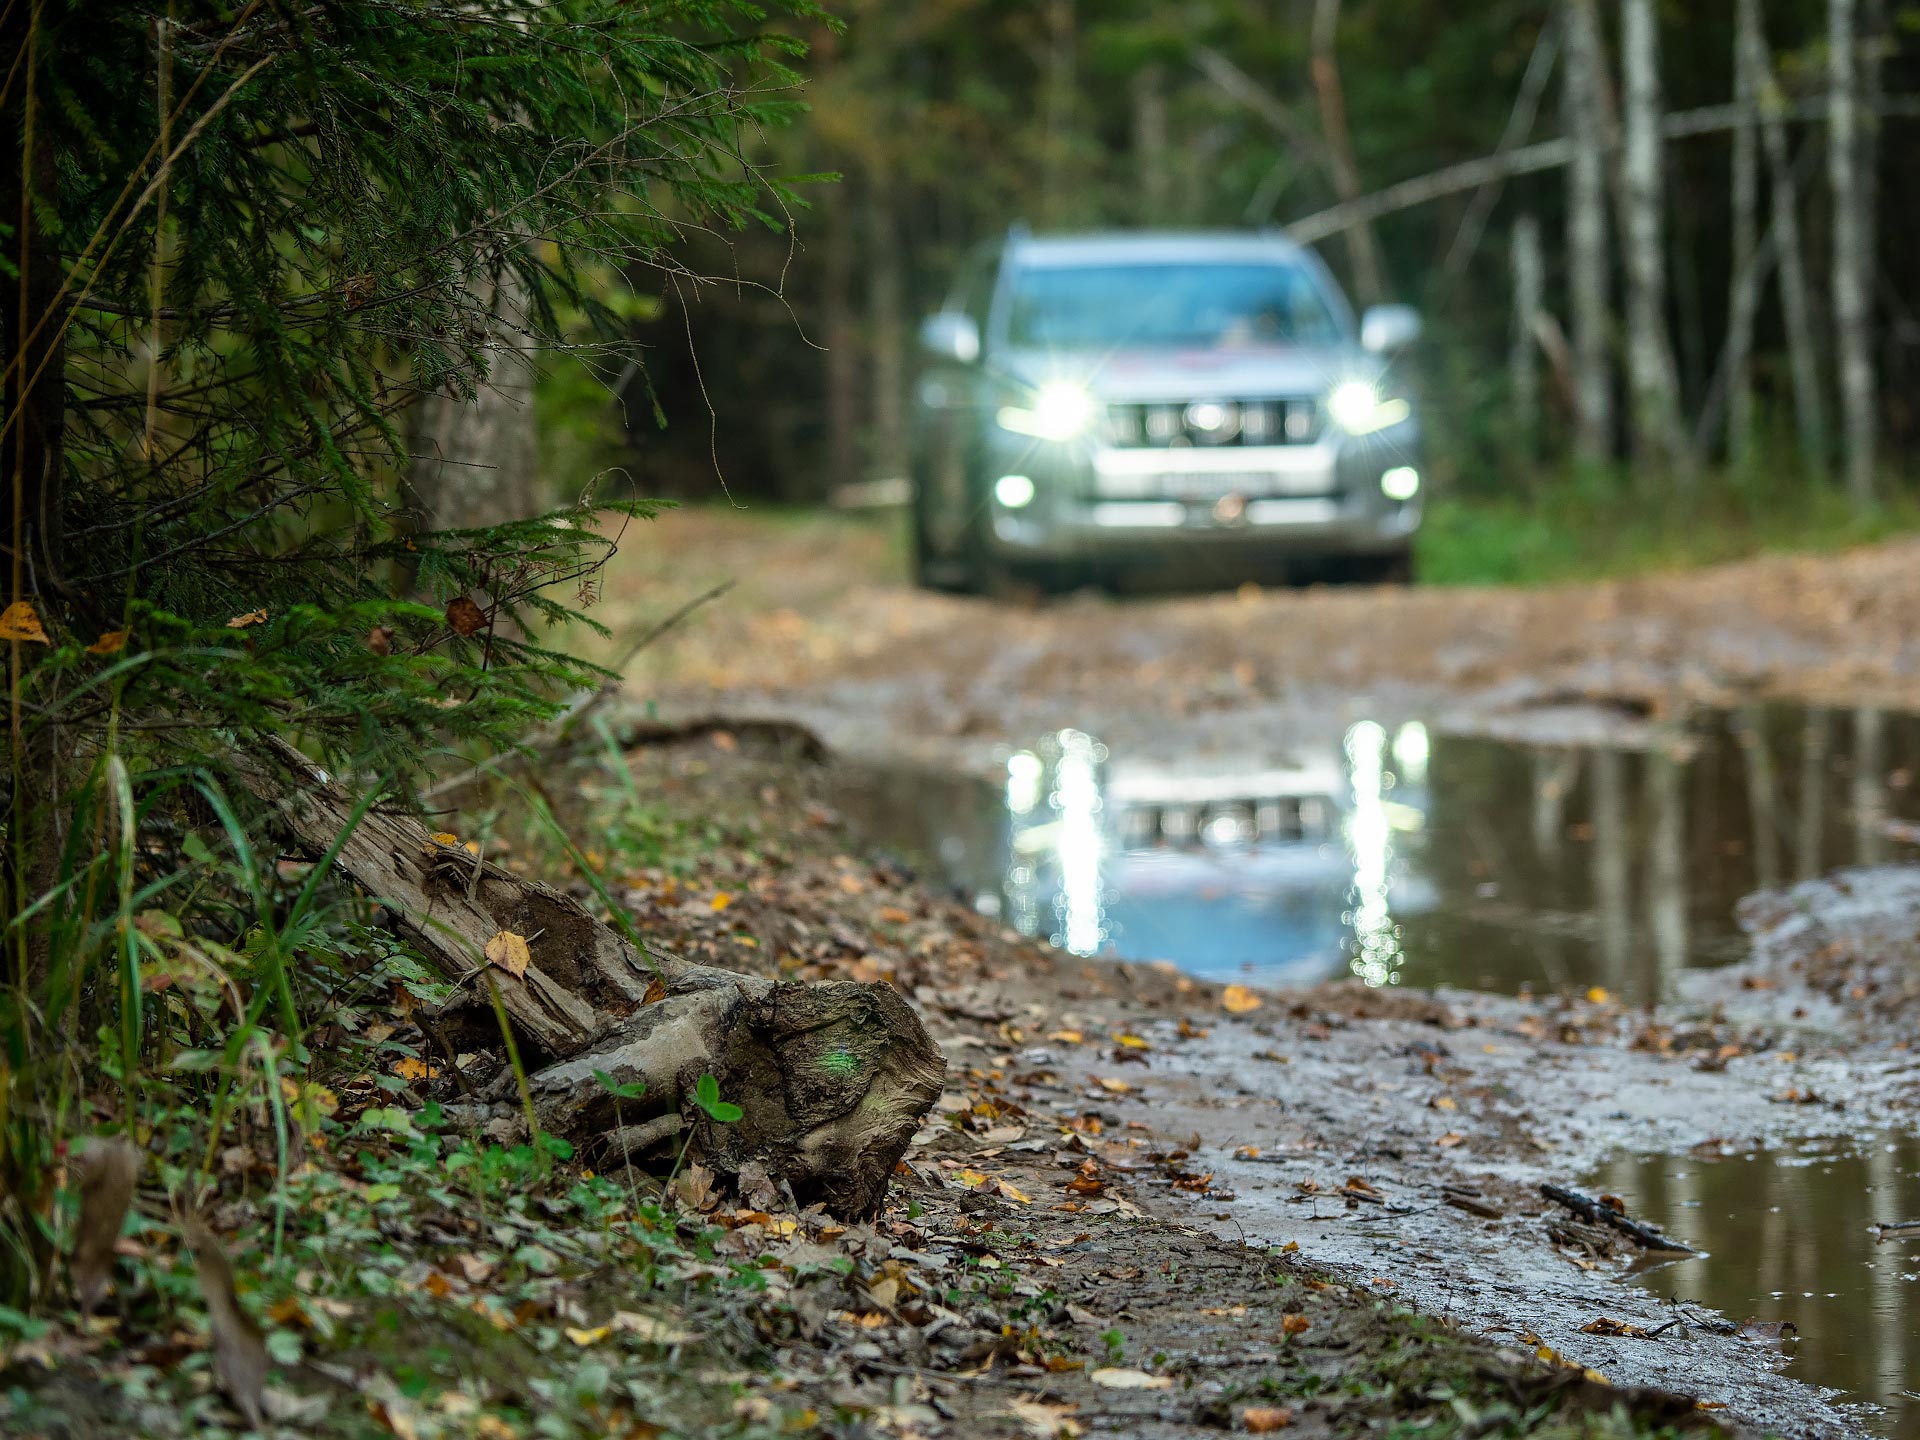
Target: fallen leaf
(239, 1354)
(20, 621)
(721, 900)
(464, 617)
(1111, 1085)
(1044, 1421)
(252, 617)
(1450, 1139)
(1607, 1325)
(1247, 1152)
(648, 1330)
(111, 643)
(1117, 1378)
(695, 1187)
(1012, 1194)
(1067, 1037)
(108, 1170)
(408, 1068)
(589, 1337)
(1265, 1419)
(508, 951)
(1238, 999)
(1295, 1324)
(1598, 995)
(1131, 1042)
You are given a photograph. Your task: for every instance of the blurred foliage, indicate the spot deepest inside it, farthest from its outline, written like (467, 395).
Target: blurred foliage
(951, 119)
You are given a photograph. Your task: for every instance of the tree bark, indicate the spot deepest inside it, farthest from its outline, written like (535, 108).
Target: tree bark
(1651, 378)
(1746, 241)
(842, 365)
(1057, 99)
(475, 462)
(1852, 252)
(1526, 108)
(1363, 252)
(1523, 356)
(834, 1078)
(1587, 250)
(1783, 193)
(1149, 95)
(886, 328)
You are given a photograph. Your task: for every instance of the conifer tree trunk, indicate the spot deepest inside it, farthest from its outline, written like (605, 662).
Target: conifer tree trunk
(841, 364)
(1746, 241)
(1149, 94)
(475, 462)
(886, 329)
(1369, 282)
(1852, 251)
(1587, 250)
(1650, 373)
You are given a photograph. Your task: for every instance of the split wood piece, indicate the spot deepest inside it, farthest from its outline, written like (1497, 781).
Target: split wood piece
(1593, 1211)
(834, 1078)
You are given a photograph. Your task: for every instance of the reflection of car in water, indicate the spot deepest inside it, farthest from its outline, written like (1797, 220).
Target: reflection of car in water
(1283, 870)
(1135, 400)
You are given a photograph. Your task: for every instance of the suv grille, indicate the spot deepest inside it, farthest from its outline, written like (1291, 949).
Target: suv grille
(1162, 425)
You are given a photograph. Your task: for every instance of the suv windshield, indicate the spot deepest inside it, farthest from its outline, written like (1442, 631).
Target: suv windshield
(1168, 305)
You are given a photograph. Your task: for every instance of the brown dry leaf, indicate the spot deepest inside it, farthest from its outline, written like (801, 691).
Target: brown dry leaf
(695, 1187)
(1111, 1085)
(464, 617)
(380, 640)
(1607, 1325)
(1115, 1377)
(252, 617)
(108, 1171)
(649, 1330)
(1066, 1037)
(1450, 1139)
(20, 621)
(239, 1354)
(111, 643)
(508, 951)
(656, 991)
(1045, 1421)
(1295, 1324)
(1238, 999)
(1265, 1419)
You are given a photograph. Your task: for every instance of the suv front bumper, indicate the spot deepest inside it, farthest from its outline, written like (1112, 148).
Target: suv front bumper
(1321, 499)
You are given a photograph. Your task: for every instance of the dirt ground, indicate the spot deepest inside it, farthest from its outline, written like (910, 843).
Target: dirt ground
(822, 627)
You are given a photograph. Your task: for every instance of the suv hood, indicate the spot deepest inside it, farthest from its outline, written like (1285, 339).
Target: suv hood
(1224, 374)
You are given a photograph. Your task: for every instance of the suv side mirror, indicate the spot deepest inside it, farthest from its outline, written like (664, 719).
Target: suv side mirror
(1387, 328)
(951, 336)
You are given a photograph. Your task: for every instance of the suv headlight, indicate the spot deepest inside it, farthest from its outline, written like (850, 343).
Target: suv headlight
(1061, 410)
(1358, 407)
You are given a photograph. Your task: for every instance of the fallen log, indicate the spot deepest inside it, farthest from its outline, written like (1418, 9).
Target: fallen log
(1599, 1213)
(834, 1078)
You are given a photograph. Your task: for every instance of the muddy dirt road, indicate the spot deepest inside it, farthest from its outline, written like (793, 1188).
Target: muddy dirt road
(1517, 825)
(823, 627)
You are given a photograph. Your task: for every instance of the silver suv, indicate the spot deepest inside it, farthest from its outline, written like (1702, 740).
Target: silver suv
(1134, 401)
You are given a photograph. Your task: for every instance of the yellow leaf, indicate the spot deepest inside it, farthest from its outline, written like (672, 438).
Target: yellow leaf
(1131, 1042)
(1067, 1037)
(972, 1179)
(1295, 1324)
(408, 1068)
(1013, 1194)
(252, 617)
(20, 621)
(721, 900)
(589, 1337)
(509, 952)
(444, 837)
(1598, 995)
(1112, 1086)
(1239, 999)
(1450, 1139)
(1117, 1378)
(111, 643)
(1291, 1245)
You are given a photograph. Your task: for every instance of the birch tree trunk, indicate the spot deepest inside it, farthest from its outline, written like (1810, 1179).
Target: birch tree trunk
(1796, 305)
(1587, 249)
(1746, 242)
(1650, 373)
(1852, 250)
(1363, 252)
(475, 462)
(1523, 356)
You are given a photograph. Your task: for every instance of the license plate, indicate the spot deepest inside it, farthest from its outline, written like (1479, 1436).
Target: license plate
(1212, 485)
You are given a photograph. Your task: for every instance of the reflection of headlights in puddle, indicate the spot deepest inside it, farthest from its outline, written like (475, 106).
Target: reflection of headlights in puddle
(1376, 939)
(1079, 846)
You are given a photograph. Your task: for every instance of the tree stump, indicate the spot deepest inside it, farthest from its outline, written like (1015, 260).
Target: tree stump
(834, 1078)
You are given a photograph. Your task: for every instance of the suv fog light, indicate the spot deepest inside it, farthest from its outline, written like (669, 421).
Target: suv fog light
(1402, 482)
(1013, 491)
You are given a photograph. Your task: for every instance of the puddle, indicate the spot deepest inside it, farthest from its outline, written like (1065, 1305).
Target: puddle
(1569, 856)
(1790, 1238)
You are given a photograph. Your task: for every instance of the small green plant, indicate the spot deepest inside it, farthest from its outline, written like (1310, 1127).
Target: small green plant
(1116, 1344)
(706, 1094)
